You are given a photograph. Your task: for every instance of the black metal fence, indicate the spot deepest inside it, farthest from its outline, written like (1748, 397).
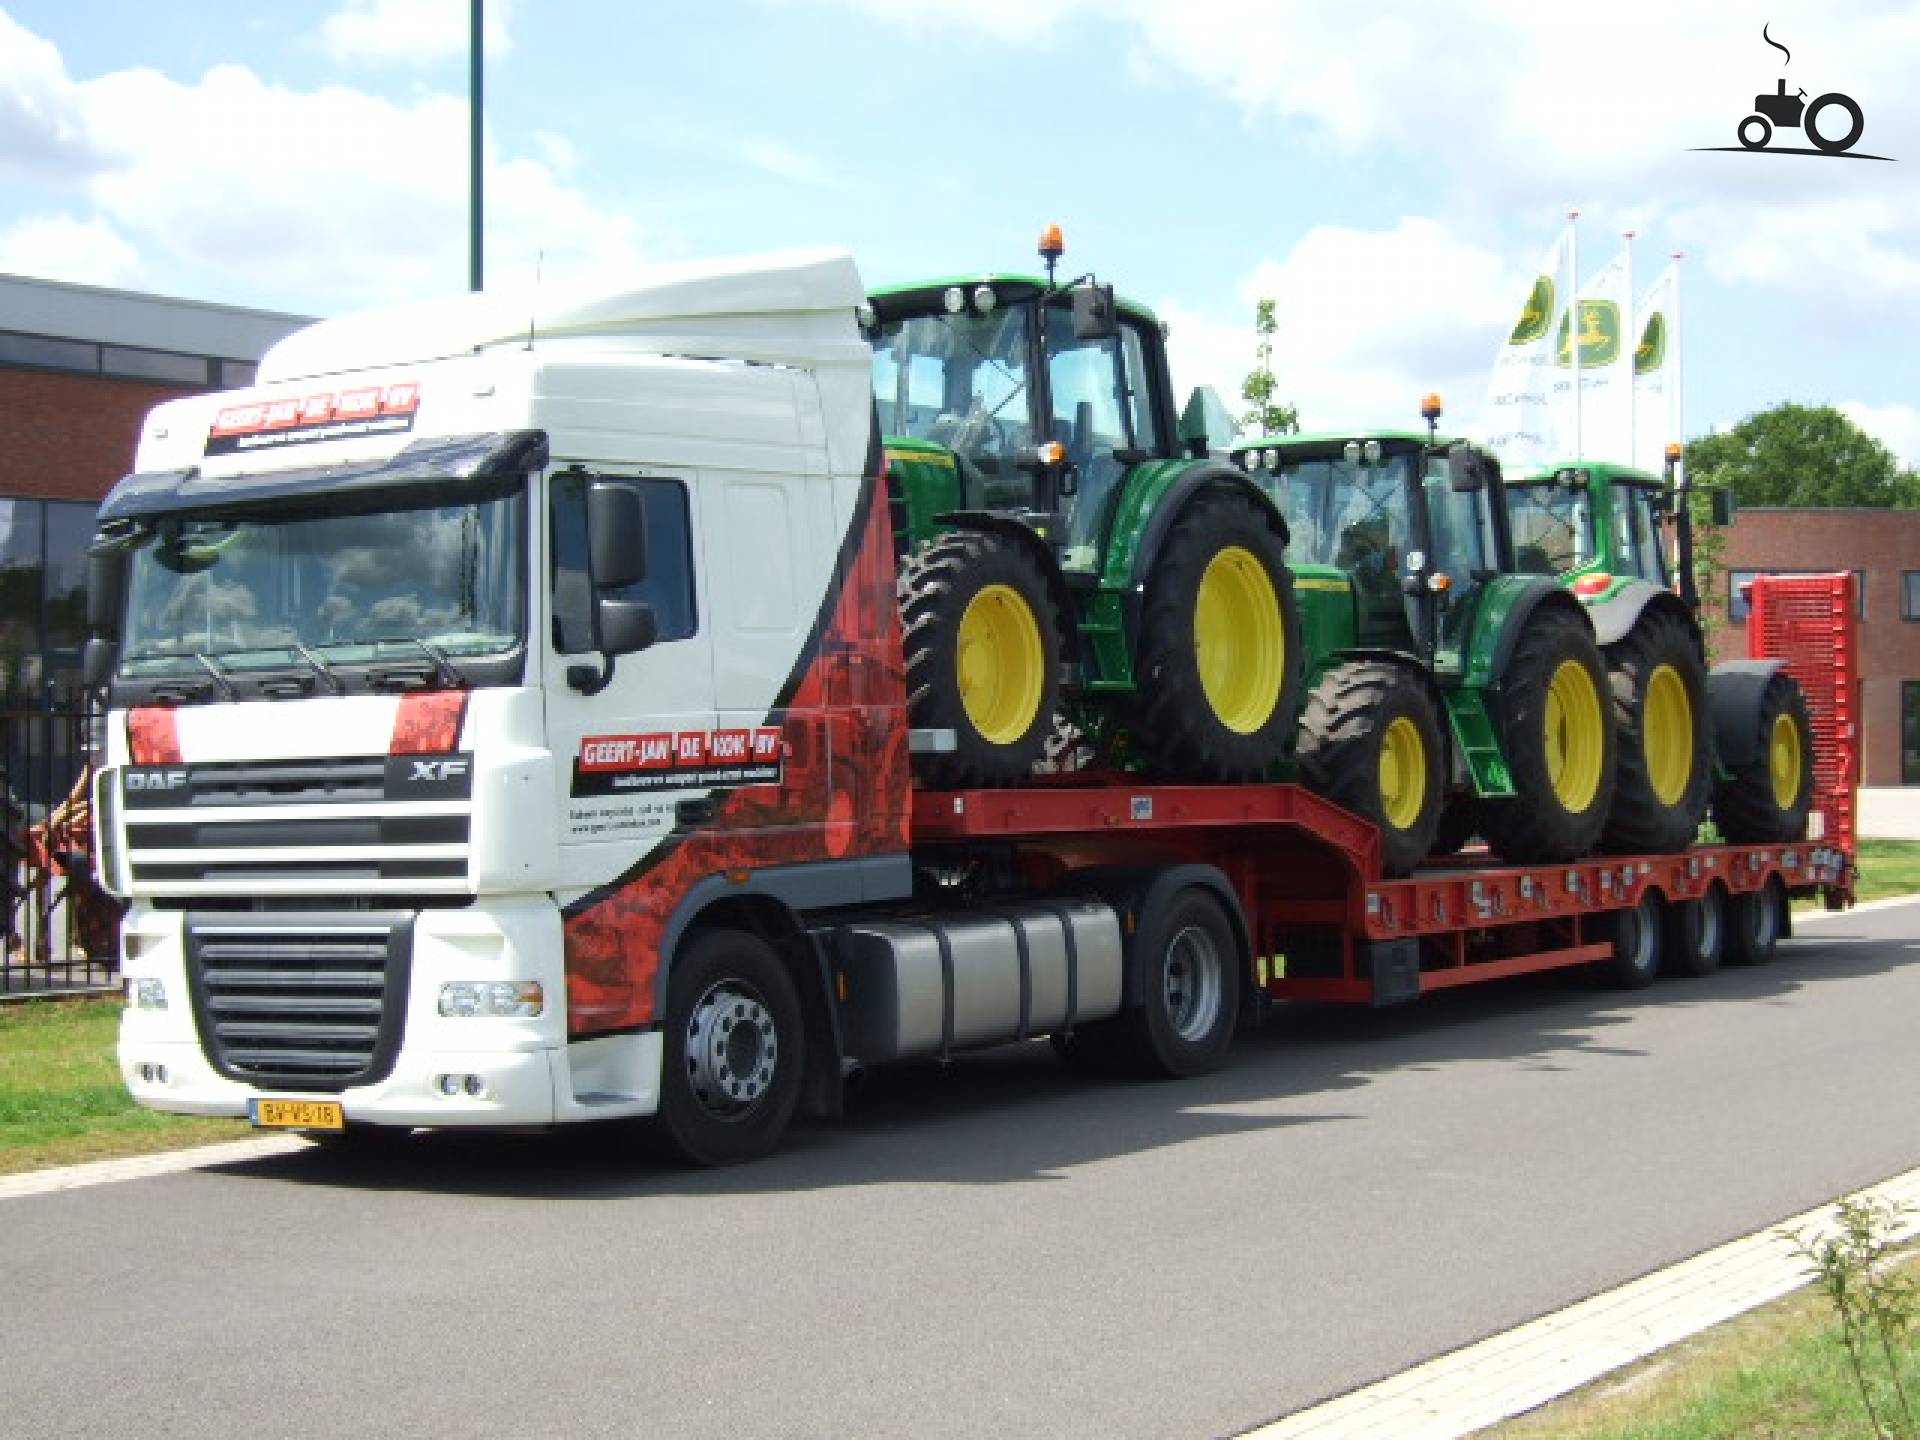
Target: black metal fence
(62, 930)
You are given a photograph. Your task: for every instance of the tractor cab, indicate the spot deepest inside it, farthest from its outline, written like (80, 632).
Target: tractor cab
(1039, 396)
(1591, 519)
(1404, 520)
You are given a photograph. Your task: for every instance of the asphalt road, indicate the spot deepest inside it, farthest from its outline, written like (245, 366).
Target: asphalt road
(1000, 1248)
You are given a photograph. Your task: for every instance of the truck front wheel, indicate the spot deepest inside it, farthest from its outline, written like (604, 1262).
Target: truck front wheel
(734, 1050)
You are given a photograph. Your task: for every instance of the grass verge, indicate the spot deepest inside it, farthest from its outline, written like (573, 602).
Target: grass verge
(61, 1097)
(1889, 868)
(1778, 1373)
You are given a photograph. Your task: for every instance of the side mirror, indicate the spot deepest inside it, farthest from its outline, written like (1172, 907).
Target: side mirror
(1720, 504)
(106, 580)
(625, 626)
(616, 535)
(1095, 316)
(97, 661)
(1466, 470)
(1206, 423)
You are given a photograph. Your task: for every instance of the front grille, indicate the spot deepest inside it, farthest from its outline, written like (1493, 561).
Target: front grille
(283, 782)
(300, 1001)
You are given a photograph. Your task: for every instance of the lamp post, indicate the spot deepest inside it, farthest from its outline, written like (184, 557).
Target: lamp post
(474, 152)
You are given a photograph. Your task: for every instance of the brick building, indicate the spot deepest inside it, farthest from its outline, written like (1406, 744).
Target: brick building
(79, 369)
(1882, 548)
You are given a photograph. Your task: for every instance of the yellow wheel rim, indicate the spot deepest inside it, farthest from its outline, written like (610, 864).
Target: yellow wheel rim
(1001, 664)
(1403, 774)
(1783, 760)
(1239, 640)
(1666, 733)
(1576, 737)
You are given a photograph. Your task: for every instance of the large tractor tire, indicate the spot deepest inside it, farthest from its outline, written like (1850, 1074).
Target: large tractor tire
(1767, 800)
(1559, 745)
(1218, 661)
(982, 640)
(1659, 687)
(1370, 741)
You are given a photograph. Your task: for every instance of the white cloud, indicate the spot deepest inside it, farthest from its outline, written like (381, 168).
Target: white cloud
(789, 164)
(1895, 426)
(41, 127)
(410, 32)
(339, 199)
(59, 247)
(1369, 321)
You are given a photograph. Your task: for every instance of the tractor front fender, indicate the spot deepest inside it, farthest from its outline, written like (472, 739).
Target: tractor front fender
(1507, 603)
(1619, 612)
(1733, 694)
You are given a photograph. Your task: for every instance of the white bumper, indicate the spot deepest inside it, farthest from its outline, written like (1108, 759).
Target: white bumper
(525, 1070)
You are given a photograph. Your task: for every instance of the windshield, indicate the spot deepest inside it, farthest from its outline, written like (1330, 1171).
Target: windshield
(1340, 512)
(1552, 527)
(258, 590)
(960, 381)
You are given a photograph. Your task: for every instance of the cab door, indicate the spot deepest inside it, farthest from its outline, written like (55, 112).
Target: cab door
(631, 757)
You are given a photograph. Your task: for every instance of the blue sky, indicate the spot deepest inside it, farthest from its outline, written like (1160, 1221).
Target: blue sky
(1390, 173)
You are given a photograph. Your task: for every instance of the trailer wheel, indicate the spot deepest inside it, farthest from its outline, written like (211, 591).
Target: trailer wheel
(1696, 935)
(981, 635)
(1636, 933)
(1189, 970)
(1558, 742)
(1767, 801)
(734, 1050)
(1659, 688)
(1754, 923)
(1218, 656)
(1370, 741)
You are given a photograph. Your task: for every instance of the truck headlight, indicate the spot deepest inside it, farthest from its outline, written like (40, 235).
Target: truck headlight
(146, 994)
(461, 999)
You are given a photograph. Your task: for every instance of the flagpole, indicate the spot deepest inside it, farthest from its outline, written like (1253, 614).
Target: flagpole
(1676, 418)
(1573, 321)
(1632, 332)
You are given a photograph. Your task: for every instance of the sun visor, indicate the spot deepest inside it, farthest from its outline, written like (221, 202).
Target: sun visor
(492, 456)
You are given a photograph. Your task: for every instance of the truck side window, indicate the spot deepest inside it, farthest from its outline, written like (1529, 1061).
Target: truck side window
(669, 583)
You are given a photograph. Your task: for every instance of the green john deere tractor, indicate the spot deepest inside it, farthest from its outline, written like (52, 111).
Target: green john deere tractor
(1068, 548)
(1739, 738)
(1442, 683)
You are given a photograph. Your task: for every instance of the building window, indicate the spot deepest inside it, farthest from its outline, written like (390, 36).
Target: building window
(1738, 580)
(1910, 594)
(46, 352)
(1910, 732)
(43, 606)
(161, 365)
(130, 362)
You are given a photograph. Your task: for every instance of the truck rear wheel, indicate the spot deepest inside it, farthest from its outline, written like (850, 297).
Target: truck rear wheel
(730, 1077)
(1189, 971)
(1659, 689)
(982, 643)
(1767, 800)
(1370, 741)
(1218, 653)
(1559, 745)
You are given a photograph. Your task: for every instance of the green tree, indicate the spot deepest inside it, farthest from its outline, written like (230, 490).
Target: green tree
(1268, 416)
(1802, 455)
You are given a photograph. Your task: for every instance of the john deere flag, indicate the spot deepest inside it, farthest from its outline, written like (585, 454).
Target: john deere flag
(1525, 427)
(1655, 360)
(1605, 405)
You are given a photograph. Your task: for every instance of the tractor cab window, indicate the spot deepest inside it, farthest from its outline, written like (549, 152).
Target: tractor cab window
(1101, 404)
(1639, 543)
(1552, 527)
(960, 381)
(1459, 525)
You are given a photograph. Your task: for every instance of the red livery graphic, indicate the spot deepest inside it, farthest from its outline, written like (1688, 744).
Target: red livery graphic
(838, 752)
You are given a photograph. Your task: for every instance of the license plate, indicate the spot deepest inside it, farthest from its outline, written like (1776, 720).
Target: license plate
(297, 1114)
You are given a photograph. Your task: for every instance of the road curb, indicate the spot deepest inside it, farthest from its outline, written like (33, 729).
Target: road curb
(140, 1167)
(1511, 1373)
